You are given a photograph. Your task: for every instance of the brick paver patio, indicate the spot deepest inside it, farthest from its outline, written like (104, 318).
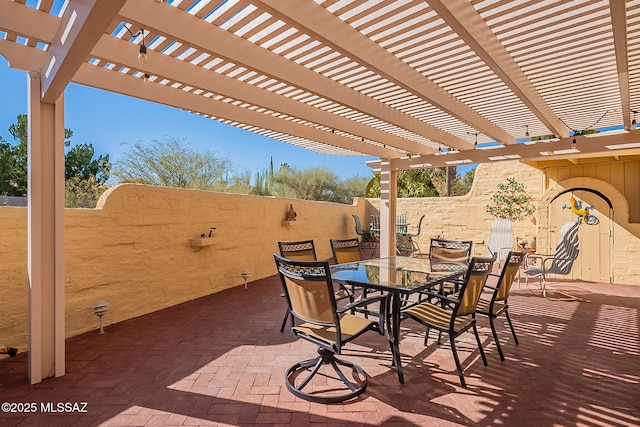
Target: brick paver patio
(220, 360)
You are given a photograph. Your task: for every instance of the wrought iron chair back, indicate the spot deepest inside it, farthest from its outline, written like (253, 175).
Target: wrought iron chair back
(345, 250)
(450, 250)
(303, 250)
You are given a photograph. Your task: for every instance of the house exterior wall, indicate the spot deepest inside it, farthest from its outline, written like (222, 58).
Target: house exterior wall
(134, 251)
(618, 183)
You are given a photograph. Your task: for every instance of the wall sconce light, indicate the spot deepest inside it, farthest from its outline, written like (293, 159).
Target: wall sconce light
(245, 276)
(99, 309)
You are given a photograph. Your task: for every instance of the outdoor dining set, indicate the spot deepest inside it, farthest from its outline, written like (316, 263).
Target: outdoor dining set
(332, 302)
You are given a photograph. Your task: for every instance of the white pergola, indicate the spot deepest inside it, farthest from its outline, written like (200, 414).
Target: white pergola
(416, 83)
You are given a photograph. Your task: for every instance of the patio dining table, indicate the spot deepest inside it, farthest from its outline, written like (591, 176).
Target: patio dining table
(399, 277)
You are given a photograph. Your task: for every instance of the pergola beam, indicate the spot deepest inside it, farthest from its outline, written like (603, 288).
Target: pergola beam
(188, 29)
(619, 26)
(325, 26)
(15, 18)
(118, 51)
(83, 23)
(605, 143)
(125, 84)
(462, 17)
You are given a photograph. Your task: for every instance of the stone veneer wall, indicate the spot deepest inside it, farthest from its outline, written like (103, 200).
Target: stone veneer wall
(133, 250)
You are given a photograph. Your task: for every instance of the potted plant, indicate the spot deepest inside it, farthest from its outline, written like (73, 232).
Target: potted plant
(511, 201)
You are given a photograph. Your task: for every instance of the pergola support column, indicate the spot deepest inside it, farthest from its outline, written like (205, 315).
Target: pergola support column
(45, 234)
(388, 201)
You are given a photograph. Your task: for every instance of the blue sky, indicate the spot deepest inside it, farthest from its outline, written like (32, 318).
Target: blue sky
(112, 123)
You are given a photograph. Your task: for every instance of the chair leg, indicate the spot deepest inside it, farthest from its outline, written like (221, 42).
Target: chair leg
(332, 395)
(457, 360)
(513, 331)
(495, 337)
(284, 321)
(475, 331)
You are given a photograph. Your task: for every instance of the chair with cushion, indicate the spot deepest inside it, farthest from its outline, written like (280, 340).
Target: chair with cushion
(304, 250)
(444, 253)
(308, 288)
(455, 315)
(561, 261)
(346, 251)
(450, 250)
(498, 303)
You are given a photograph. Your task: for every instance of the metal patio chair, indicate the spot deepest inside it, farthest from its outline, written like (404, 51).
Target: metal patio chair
(445, 252)
(498, 304)
(305, 250)
(561, 260)
(454, 316)
(308, 288)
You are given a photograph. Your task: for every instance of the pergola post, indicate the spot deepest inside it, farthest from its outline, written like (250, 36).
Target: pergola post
(388, 201)
(45, 234)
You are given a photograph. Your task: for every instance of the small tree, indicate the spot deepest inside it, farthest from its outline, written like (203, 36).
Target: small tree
(173, 163)
(511, 201)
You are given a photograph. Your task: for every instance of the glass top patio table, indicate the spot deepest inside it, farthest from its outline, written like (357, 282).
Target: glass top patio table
(399, 276)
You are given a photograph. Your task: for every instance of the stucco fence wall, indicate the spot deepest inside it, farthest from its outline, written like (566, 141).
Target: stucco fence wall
(133, 250)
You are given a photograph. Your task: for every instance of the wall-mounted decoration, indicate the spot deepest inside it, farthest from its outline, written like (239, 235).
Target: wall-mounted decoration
(291, 214)
(583, 213)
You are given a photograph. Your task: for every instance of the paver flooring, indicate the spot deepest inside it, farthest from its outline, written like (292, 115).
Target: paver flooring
(220, 360)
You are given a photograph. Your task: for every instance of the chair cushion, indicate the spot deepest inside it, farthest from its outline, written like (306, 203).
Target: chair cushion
(350, 326)
(483, 307)
(438, 317)
(342, 294)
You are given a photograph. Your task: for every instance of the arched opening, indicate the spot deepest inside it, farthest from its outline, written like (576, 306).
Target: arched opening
(594, 262)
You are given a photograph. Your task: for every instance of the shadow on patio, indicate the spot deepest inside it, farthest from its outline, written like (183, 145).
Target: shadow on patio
(220, 360)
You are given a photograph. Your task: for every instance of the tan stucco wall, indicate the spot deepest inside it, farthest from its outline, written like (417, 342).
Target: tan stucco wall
(133, 250)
